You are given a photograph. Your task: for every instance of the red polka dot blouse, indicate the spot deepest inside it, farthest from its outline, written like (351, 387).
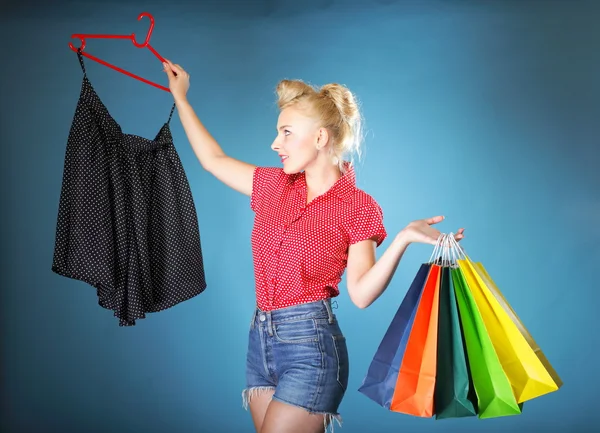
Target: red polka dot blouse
(300, 250)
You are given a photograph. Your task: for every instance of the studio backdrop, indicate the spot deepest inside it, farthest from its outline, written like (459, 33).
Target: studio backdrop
(485, 112)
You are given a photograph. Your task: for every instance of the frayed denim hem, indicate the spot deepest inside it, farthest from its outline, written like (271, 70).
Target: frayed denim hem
(328, 418)
(248, 393)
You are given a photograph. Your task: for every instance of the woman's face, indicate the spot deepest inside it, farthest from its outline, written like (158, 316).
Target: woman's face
(297, 138)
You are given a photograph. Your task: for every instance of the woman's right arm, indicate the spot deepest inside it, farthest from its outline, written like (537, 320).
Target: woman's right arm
(232, 172)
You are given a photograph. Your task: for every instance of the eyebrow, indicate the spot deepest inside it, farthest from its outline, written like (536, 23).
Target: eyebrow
(284, 126)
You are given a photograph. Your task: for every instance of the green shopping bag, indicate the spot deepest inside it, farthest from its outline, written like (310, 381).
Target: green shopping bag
(454, 394)
(495, 396)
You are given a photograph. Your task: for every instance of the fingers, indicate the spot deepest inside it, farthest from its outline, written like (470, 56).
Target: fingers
(175, 69)
(168, 70)
(459, 234)
(182, 71)
(434, 220)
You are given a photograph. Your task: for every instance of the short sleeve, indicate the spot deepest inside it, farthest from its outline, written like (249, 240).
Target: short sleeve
(367, 223)
(264, 180)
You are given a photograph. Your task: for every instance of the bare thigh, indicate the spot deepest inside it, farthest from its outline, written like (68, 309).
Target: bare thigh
(284, 418)
(258, 407)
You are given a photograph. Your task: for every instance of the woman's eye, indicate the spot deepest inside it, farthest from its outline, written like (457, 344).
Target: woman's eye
(286, 132)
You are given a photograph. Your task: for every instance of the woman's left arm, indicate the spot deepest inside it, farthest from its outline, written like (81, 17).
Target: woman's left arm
(367, 278)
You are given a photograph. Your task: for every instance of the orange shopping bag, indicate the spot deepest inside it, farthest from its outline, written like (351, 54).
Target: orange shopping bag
(413, 394)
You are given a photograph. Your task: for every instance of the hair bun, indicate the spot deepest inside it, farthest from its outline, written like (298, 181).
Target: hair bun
(290, 91)
(343, 99)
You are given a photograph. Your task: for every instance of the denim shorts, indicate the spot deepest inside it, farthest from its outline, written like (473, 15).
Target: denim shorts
(300, 352)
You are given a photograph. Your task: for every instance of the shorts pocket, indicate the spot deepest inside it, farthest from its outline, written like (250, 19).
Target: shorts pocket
(342, 363)
(296, 331)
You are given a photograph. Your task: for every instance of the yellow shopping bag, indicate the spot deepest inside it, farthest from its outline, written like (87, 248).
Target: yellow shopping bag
(491, 285)
(524, 369)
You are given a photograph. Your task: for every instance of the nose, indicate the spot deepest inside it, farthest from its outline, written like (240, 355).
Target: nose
(275, 146)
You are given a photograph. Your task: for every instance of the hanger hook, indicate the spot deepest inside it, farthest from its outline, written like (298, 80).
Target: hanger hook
(145, 43)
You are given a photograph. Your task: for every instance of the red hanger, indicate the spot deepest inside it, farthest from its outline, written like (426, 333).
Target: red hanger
(145, 44)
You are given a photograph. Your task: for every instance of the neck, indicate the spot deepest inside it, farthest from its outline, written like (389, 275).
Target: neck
(319, 179)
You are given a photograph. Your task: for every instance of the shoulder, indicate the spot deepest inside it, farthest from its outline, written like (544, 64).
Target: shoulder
(265, 174)
(362, 200)
(266, 181)
(365, 218)
(269, 177)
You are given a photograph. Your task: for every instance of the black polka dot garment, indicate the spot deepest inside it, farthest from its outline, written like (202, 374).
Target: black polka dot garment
(127, 223)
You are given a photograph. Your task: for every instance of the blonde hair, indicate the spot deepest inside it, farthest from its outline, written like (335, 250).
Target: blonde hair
(337, 110)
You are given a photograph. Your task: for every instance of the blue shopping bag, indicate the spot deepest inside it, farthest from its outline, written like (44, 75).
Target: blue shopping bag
(380, 381)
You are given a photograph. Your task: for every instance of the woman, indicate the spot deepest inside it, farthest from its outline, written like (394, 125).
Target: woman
(311, 224)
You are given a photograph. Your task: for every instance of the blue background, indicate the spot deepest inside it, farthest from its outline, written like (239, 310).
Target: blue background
(485, 111)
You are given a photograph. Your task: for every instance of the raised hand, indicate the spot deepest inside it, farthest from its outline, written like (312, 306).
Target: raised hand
(179, 79)
(421, 231)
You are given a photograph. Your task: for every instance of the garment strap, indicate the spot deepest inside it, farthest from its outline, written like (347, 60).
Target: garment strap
(81, 60)
(171, 113)
(80, 56)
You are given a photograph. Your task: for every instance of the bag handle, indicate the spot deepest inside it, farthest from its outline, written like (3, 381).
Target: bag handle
(436, 249)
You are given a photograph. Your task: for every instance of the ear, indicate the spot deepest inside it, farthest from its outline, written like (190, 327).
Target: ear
(322, 138)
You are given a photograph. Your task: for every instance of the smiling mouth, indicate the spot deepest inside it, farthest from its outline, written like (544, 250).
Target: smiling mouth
(283, 158)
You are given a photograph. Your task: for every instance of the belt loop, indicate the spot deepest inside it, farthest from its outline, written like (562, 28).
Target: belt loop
(329, 312)
(269, 323)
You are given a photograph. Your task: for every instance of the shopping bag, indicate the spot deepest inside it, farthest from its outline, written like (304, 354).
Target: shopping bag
(454, 393)
(495, 396)
(415, 386)
(493, 288)
(523, 368)
(380, 380)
